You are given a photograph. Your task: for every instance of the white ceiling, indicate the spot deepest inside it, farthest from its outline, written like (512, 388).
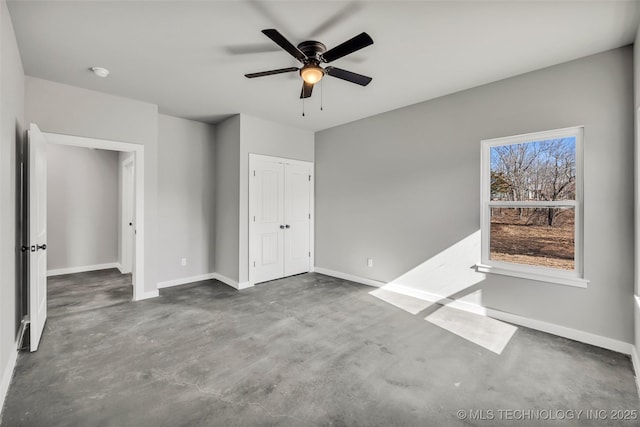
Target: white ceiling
(190, 57)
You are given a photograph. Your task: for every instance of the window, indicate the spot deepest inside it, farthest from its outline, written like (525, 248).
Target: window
(531, 213)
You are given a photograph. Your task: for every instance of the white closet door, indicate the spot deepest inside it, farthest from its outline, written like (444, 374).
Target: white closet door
(267, 203)
(297, 216)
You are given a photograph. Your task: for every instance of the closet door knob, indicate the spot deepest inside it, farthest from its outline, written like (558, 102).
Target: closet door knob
(287, 226)
(282, 227)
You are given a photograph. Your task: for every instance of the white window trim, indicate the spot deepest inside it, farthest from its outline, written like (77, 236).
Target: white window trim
(552, 275)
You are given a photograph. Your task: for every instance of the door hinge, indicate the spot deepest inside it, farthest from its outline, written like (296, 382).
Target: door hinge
(309, 177)
(254, 173)
(309, 216)
(309, 254)
(254, 218)
(254, 263)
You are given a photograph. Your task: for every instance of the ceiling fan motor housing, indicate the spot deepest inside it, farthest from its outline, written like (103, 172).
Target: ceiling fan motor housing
(313, 50)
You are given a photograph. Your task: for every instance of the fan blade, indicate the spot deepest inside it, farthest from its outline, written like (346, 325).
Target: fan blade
(271, 72)
(307, 88)
(358, 42)
(281, 41)
(348, 76)
(339, 16)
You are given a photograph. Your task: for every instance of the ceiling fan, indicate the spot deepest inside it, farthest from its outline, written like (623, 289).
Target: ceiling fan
(311, 54)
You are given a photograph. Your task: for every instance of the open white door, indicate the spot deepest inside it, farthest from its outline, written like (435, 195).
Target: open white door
(128, 212)
(37, 235)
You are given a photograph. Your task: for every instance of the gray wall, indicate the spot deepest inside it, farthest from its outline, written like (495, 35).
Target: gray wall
(82, 207)
(227, 197)
(403, 187)
(186, 198)
(12, 125)
(59, 108)
(260, 136)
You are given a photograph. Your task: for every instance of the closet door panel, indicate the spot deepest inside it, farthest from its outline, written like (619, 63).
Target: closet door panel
(297, 202)
(268, 221)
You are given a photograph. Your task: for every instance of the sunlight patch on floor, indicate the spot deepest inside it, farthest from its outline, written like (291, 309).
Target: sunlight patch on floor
(409, 304)
(486, 332)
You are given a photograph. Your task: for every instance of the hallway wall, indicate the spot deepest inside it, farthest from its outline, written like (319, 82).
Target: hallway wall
(82, 207)
(186, 199)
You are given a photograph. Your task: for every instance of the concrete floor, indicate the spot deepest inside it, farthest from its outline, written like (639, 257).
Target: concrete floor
(73, 293)
(302, 351)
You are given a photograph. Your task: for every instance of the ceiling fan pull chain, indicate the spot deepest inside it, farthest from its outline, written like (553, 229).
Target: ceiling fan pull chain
(302, 107)
(321, 86)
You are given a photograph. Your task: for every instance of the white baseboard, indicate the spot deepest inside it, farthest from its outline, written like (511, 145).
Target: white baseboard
(224, 279)
(186, 280)
(230, 282)
(349, 277)
(431, 297)
(562, 331)
(7, 375)
(71, 270)
(635, 358)
(121, 269)
(146, 295)
(636, 366)
(244, 285)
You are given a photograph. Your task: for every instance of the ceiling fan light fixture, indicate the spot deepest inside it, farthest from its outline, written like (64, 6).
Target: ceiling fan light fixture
(311, 73)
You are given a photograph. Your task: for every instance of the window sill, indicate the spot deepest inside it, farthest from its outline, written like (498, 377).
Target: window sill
(559, 280)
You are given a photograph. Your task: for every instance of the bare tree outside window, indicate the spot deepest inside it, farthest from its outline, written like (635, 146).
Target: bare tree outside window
(533, 185)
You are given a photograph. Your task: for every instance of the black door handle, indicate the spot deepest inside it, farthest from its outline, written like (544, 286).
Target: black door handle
(287, 226)
(43, 247)
(282, 227)
(130, 224)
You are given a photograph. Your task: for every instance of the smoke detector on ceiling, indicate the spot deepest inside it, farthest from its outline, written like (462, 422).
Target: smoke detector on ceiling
(99, 71)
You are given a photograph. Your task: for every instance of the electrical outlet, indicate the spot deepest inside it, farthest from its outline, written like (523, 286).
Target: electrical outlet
(183, 262)
(369, 262)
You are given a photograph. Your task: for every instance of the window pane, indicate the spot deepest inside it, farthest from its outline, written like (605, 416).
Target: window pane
(536, 170)
(543, 237)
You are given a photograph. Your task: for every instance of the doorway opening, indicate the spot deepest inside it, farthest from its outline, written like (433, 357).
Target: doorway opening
(36, 229)
(131, 165)
(88, 200)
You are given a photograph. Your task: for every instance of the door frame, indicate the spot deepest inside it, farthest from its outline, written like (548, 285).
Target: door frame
(127, 193)
(138, 164)
(253, 157)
